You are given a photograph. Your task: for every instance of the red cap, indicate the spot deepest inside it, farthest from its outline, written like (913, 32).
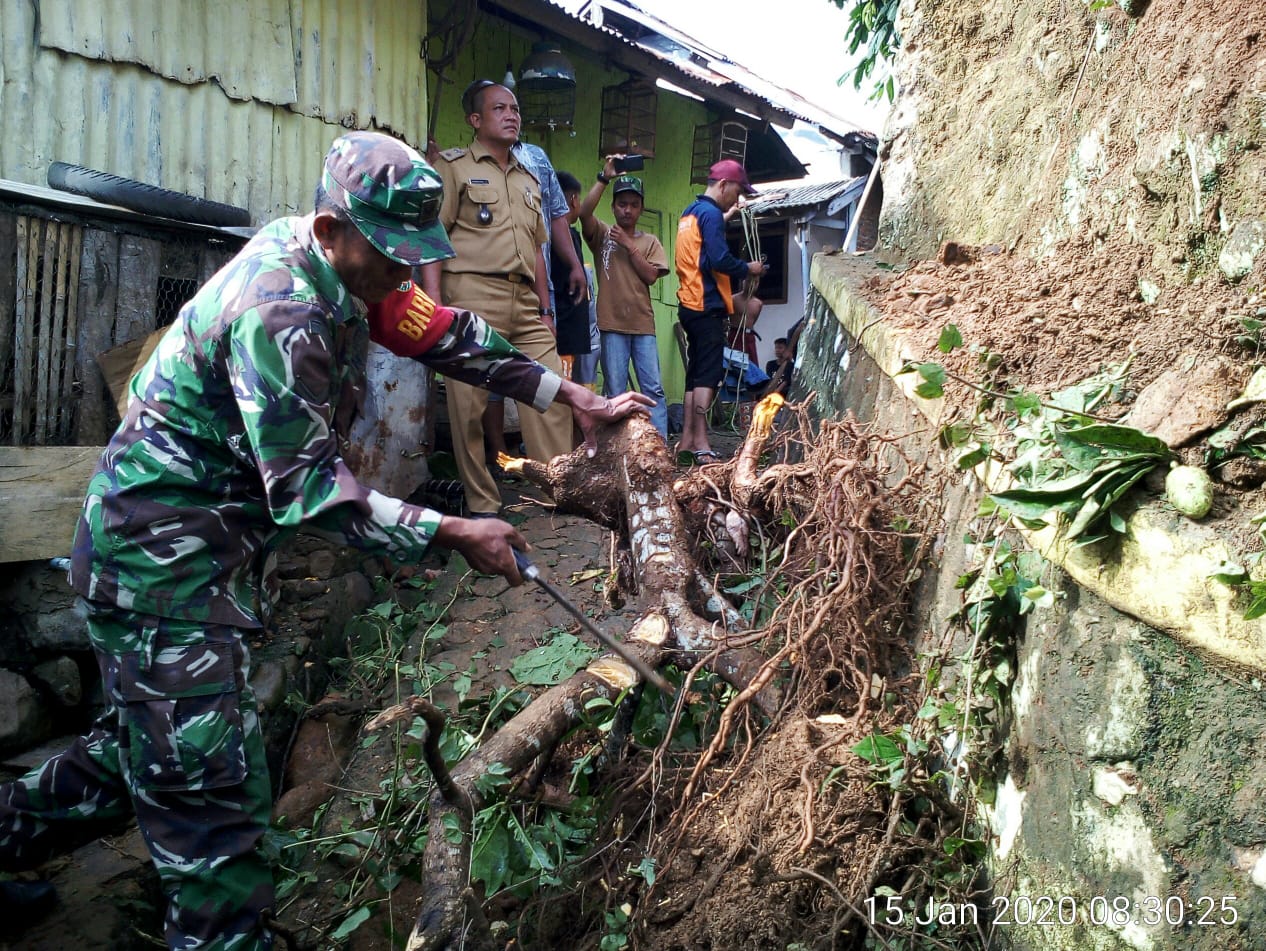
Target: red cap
(731, 171)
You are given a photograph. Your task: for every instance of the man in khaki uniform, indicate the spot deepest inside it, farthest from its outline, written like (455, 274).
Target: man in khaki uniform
(492, 213)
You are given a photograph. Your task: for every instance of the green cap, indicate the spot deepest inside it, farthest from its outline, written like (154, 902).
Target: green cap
(627, 183)
(391, 194)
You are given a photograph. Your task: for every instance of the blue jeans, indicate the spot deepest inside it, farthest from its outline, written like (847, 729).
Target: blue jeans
(617, 350)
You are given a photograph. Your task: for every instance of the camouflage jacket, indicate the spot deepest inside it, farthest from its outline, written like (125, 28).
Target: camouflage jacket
(232, 436)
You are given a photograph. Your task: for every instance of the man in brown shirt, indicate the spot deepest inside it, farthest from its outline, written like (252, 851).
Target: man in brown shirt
(492, 213)
(627, 262)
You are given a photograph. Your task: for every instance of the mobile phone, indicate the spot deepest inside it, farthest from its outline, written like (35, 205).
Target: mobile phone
(630, 163)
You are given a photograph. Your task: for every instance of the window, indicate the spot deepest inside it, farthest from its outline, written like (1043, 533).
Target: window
(628, 119)
(725, 138)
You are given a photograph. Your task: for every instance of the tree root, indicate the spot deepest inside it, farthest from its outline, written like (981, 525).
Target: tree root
(843, 569)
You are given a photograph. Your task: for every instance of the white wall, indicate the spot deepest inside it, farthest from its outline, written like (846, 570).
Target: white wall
(777, 319)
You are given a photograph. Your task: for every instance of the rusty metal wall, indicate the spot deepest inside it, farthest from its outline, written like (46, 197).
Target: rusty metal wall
(233, 100)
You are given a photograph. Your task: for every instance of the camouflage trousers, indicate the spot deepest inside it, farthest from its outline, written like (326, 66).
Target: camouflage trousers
(179, 745)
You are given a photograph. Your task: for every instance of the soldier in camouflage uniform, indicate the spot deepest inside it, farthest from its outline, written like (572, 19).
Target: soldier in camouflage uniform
(232, 440)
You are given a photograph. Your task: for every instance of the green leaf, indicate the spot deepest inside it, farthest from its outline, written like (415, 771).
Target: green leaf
(933, 384)
(1092, 539)
(461, 685)
(647, 870)
(1086, 515)
(1224, 438)
(490, 855)
(454, 834)
(493, 779)
(1022, 507)
(879, 750)
(950, 339)
(1024, 404)
(745, 586)
(351, 923)
(1128, 478)
(972, 456)
(1120, 438)
(1256, 609)
(1053, 491)
(1117, 521)
(552, 663)
(1229, 573)
(955, 434)
(1034, 596)
(973, 847)
(1077, 454)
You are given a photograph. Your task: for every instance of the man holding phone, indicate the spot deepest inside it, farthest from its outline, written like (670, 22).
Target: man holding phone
(627, 262)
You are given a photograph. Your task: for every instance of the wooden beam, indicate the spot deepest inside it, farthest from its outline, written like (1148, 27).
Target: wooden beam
(9, 251)
(98, 299)
(58, 404)
(41, 492)
(29, 231)
(48, 268)
(139, 261)
(67, 388)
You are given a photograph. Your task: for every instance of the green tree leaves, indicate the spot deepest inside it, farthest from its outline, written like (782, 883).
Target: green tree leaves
(871, 24)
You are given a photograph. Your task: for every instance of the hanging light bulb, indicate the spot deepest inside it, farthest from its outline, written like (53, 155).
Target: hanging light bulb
(508, 81)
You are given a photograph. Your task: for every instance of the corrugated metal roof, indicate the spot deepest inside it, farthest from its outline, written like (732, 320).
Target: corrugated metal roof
(710, 66)
(804, 196)
(697, 69)
(163, 99)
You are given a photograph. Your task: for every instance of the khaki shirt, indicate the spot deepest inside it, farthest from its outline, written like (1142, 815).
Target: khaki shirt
(508, 244)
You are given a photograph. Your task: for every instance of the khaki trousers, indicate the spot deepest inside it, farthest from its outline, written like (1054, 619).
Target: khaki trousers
(512, 310)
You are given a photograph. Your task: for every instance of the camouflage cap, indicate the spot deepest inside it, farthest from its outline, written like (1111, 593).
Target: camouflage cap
(391, 194)
(627, 183)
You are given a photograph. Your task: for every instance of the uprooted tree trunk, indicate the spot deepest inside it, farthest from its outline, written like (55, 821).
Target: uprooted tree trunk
(662, 517)
(631, 487)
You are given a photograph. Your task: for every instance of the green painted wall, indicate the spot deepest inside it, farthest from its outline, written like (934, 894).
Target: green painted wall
(667, 176)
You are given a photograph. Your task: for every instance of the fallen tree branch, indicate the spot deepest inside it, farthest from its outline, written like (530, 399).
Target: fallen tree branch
(435, 720)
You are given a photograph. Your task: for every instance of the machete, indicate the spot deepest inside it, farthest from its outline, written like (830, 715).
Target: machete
(532, 573)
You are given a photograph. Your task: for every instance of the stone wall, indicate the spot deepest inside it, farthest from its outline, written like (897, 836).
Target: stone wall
(1133, 764)
(50, 689)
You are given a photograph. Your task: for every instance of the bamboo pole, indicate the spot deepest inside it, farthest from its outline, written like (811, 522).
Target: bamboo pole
(57, 339)
(70, 399)
(23, 352)
(861, 206)
(47, 279)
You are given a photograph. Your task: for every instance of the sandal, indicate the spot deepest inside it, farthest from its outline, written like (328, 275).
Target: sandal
(705, 457)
